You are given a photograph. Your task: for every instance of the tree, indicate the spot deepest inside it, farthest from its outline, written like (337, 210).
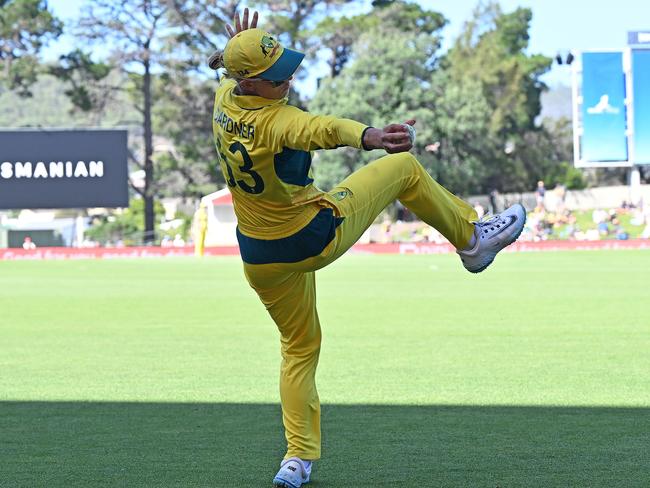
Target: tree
(395, 74)
(202, 27)
(134, 31)
(491, 50)
(204, 24)
(389, 80)
(476, 106)
(88, 81)
(125, 226)
(556, 150)
(188, 168)
(53, 108)
(26, 26)
(184, 114)
(339, 35)
(462, 137)
(289, 19)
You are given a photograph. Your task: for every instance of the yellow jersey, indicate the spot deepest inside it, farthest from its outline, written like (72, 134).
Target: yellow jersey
(264, 150)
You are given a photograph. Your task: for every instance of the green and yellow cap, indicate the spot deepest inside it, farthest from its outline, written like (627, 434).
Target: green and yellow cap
(254, 53)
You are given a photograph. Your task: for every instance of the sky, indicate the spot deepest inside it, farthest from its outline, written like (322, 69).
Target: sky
(557, 25)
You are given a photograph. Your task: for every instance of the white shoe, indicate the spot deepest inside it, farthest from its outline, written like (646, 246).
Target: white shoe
(492, 235)
(294, 472)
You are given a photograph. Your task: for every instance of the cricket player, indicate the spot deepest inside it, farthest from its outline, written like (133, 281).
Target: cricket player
(288, 228)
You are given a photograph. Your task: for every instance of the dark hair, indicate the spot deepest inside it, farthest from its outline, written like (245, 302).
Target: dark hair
(215, 61)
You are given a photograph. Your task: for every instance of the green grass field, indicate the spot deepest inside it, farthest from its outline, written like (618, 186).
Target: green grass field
(163, 373)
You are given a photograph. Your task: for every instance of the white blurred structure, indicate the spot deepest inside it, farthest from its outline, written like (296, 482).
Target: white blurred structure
(222, 221)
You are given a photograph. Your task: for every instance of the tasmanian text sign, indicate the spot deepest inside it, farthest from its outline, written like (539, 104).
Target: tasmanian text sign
(63, 169)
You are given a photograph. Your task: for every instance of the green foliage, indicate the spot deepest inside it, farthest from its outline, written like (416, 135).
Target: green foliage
(409, 84)
(197, 29)
(512, 29)
(397, 16)
(564, 173)
(555, 165)
(86, 79)
(289, 19)
(491, 51)
(461, 135)
(183, 114)
(132, 29)
(338, 35)
(398, 91)
(51, 107)
(476, 107)
(402, 16)
(22, 75)
(26, 26)
(574, 179)
(126, 226)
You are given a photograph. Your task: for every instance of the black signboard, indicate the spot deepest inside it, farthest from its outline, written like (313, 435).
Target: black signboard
(63, 169)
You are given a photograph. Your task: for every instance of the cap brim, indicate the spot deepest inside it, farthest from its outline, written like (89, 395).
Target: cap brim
(284, 67)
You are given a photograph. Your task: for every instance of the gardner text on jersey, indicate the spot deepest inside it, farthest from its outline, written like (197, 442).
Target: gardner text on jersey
(233, 127)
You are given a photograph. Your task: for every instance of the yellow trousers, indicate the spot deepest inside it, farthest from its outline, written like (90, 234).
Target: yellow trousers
(288, 290)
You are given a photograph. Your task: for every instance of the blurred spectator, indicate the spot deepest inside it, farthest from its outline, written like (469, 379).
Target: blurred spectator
(28, 244)
(626, 206)
(598, 216)
(538, 225)
(386, 230)
(539, 194)
(403, 213)
(603, 229)
(432, 235)
(178, 241)
(541, 225)
(494, 209)
(620, 232)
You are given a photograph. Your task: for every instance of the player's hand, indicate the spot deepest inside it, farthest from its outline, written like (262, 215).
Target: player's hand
(243, 24)
(396, 138)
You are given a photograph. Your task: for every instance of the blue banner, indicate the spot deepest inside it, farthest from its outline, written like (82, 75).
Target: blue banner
(603, 107)
(641, 84)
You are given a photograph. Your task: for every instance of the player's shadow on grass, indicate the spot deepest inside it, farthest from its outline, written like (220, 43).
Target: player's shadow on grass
(72, 444)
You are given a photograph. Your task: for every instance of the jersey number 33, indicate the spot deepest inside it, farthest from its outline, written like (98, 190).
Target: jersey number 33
(253, 177)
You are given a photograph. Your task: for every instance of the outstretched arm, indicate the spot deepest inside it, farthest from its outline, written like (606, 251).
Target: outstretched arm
(296, 129)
